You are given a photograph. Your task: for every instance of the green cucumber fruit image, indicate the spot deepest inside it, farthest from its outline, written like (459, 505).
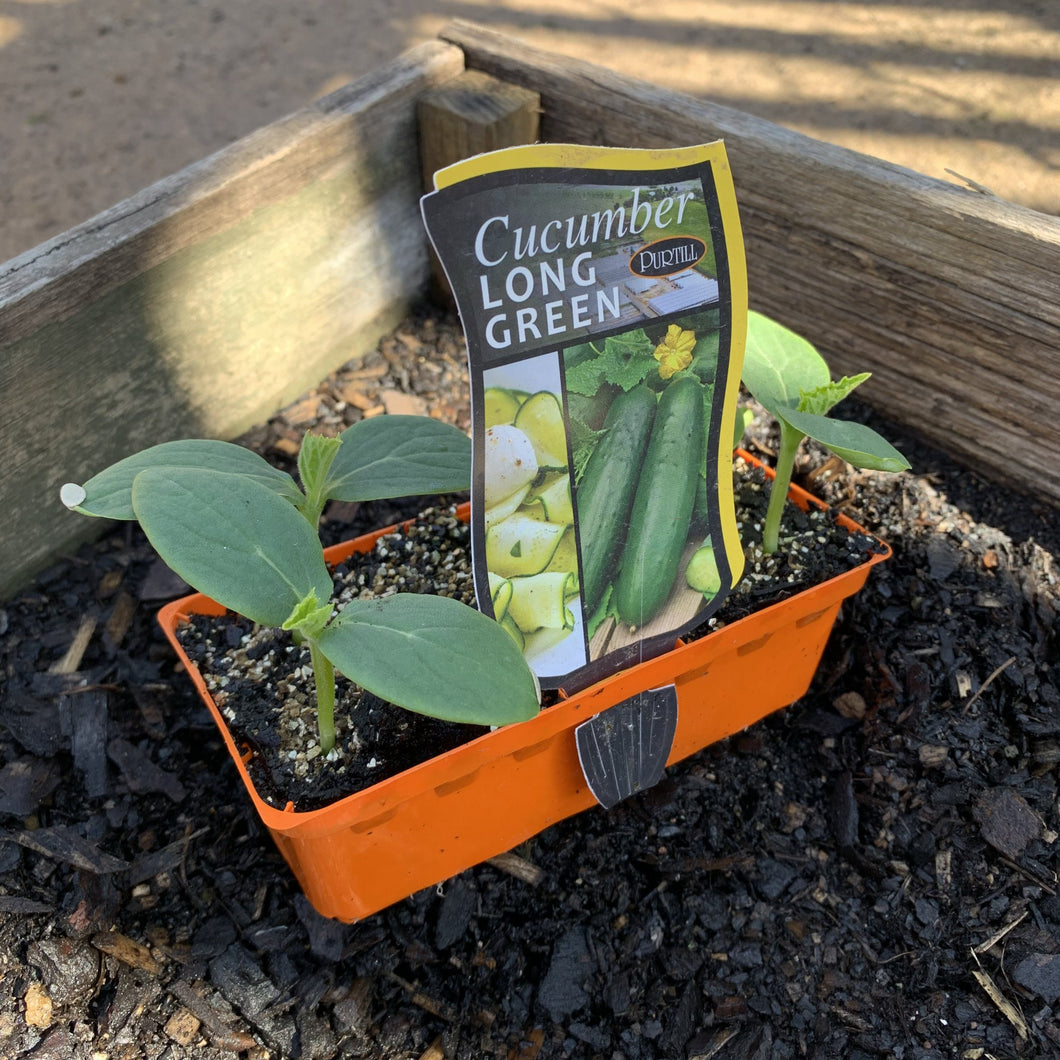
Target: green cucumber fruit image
(702, 572)
(605, 494)
(662, 508)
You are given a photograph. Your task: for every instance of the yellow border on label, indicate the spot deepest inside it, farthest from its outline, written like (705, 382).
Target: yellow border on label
(578, 156)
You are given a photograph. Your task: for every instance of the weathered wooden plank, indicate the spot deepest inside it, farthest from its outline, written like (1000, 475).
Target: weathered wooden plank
(948, 296)
(204, 303)
(471, 114)
(467, 116)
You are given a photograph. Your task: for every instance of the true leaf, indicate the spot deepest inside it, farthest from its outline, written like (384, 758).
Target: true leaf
(627, 359)
(583, 442)
(315, 459)
(432, 655)
(309, 616)
(822, 399)
(108, 494)
(744, 418)
(233, 539)
(399, 456)
(585, 377)
(854, 442)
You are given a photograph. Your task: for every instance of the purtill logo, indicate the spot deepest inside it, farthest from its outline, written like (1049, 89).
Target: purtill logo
(665, 257)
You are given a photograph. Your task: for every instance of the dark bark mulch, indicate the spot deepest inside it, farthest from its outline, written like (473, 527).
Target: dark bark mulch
(871, 872)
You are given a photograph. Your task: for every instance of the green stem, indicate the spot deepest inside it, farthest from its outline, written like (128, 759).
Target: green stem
(789, 444)
(324, 675)
(312, 508)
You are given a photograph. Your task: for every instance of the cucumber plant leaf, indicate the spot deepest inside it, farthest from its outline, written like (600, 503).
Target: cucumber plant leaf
(309, 617)
(435, 656)
(628, 359)
(233, 539)
(108, 495)
(399, 456)
(625, 361)
(853, 442)
(314, 461)
(791, 380)
(744, 418)
(583, 441)
(822, 399)
(585, 377)
(779, 365)
(243, 533)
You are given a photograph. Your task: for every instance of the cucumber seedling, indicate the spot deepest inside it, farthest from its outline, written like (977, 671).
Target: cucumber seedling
(245, 534)
(790, 379)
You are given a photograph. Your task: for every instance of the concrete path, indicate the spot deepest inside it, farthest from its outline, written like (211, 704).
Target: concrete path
(98, 98)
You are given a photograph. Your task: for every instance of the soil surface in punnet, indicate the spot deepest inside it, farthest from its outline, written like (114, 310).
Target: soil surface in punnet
(262, 681)
(871, 872)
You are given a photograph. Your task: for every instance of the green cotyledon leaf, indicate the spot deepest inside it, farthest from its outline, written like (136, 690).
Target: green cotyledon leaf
(108, 495)
(399, 456)
(233, 539)
(780, 365)
(435, 656)
(854, 442)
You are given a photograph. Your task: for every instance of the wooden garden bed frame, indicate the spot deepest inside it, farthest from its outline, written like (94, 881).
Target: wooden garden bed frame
(207, 301)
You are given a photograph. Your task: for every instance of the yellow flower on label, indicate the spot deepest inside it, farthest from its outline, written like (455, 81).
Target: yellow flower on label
(674, 353)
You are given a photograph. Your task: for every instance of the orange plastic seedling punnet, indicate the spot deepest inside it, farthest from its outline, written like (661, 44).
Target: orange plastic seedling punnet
(423, 826)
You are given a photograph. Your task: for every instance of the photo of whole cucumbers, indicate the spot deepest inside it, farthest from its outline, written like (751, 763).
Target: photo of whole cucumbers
(640, 407)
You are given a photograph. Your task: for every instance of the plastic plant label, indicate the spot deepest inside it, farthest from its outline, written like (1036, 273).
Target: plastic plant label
(604, 299)
(624, 749)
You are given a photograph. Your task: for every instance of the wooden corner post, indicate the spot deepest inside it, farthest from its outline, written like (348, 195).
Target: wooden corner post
(466, 116)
